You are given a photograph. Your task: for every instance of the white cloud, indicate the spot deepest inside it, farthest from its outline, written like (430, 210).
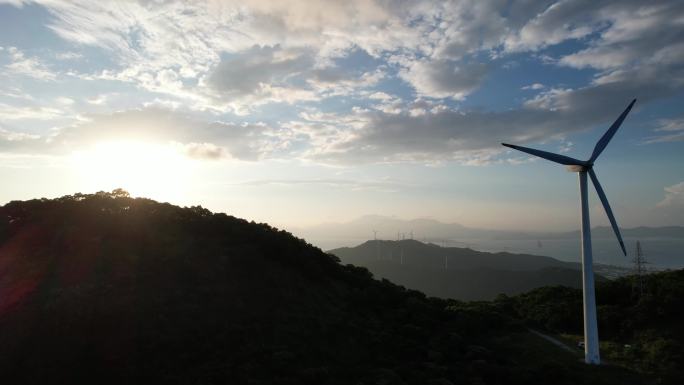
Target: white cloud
(98, 100)
(669, 125)
(196, 138)
(16, 3)
(636, 33)
(672, 130)
(565, 146)
(674, 196)
(380, 96)
(16, 93)
(383, 185)
(64, 101)
(12, 112)
(12, 136)
(558, 22)
(68, 56)
(533, 86)
(201, 42)
(20, 64)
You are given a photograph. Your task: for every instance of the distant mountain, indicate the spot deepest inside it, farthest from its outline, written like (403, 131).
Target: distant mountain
(459, 273)
(410, 252)
(661, 244)
(390, 228)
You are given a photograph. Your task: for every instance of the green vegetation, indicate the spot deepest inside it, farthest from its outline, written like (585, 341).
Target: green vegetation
(644, 332)
(107, 289)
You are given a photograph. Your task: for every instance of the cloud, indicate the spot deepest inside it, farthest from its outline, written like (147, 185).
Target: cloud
(669, 125)
(445, 135)
(68, 56)
(533, 86)
(672, 130)
(674, 197)
(545, 24)
(195, 138)
(444, 78)
(98, 100)
(263, 74)
(208, 151)
(29, 112)
(256, 69)
(636, 33)
(233, 56)
(335, 81)
(32, 67)
(250, 51)
(240, 48)
(15, 140)
(468, 137)
(383, 185)
(11, 136)
(64, 101)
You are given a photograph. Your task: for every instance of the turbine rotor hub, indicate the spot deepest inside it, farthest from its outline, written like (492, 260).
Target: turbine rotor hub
(578, 168)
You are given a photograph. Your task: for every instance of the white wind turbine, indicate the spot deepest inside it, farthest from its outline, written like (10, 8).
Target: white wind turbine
(591, 346)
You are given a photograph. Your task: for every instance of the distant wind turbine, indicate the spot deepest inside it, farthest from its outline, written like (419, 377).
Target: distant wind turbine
(375, 239)
(591, 346)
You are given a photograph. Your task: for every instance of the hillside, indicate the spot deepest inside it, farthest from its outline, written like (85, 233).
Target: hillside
(107, 289)
(415, 253)
(459, 273)
(642, 331)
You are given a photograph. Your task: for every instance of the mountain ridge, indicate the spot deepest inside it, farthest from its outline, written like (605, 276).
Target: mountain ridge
(459, 273)
(442, 229)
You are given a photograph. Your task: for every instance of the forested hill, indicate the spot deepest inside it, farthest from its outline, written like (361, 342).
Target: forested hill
(640, 324)
(415, 253)
(459, 273)
(106, 289)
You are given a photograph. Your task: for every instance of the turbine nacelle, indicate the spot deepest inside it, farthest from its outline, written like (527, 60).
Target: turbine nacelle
(577, 168)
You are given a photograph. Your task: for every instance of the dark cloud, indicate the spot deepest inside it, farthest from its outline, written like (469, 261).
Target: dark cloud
(247, 72)
(208, 151)
(471, 135)
(444, 78)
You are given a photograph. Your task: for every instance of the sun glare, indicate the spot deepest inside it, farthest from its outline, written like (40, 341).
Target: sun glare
(150, 170)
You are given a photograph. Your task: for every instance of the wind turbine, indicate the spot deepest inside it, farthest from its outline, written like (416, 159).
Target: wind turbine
(584, 167)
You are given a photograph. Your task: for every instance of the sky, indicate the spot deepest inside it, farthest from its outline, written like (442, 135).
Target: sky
(303, 112)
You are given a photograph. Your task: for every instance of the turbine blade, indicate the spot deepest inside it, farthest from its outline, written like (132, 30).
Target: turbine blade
(606, 206)
(603, 142)
(562, 159)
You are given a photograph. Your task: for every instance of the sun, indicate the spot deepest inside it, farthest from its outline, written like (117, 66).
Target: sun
(152, 170)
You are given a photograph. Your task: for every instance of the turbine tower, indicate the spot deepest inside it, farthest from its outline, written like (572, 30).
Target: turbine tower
(591, 345)
(375, 239)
